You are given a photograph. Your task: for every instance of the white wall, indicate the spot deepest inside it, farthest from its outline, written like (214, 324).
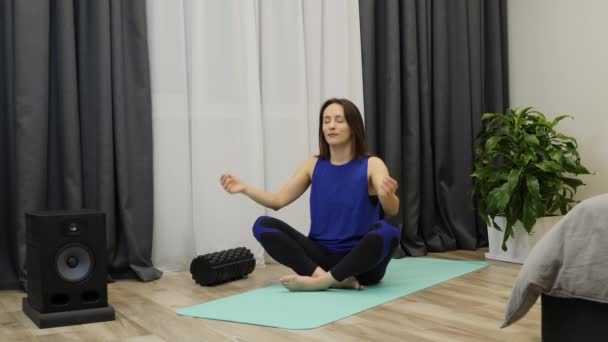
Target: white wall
(558, 60)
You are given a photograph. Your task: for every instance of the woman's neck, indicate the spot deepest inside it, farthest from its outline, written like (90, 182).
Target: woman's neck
(341, 154)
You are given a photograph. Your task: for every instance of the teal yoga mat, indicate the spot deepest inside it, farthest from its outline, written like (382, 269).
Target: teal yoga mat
(275, 306)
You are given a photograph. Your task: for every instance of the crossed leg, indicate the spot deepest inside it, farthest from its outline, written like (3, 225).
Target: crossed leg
(296, 251)
(319, 270)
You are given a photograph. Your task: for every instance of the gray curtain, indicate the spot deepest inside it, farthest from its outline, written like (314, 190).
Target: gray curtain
(430, 70)
(76, 125)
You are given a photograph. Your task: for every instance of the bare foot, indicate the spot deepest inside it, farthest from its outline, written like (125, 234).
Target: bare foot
(348, 283)
(319, 281)
(319, 272)
(303, 283)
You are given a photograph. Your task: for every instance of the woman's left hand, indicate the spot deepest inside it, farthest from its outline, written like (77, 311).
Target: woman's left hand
(388, 186)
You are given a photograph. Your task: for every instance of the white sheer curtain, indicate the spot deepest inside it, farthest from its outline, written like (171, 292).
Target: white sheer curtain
(236, 87)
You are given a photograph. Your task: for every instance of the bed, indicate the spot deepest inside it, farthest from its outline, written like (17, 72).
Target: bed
(568, 267)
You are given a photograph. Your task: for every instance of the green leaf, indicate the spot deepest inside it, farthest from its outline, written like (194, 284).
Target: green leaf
(491, 143)
(513, 181)
(573, 182)
(541, 131)
(489, 172)
(556, 155)
(533, 186)
(563, 137)
(507, 234)
(534, 200)
(563, 203)
(499, 197)
(529, 214)
(558, 119)
(532, 140)
(488, 115)
(544, 166)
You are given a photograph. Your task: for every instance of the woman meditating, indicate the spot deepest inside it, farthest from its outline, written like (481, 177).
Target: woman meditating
(348, 245)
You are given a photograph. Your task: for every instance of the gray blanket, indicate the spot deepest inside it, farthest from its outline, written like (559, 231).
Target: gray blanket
(570, 261)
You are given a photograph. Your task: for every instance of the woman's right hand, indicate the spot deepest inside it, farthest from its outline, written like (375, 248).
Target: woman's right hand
(232, 184)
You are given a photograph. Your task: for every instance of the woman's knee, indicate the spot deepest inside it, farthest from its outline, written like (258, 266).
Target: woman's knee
(386, 231)
(261, 226)
(389, 236)
(370, 278)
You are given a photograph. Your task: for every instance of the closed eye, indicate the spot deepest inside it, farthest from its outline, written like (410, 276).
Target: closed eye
(339, 119)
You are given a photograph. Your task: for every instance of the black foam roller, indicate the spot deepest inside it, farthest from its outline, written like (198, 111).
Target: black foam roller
(221, 267)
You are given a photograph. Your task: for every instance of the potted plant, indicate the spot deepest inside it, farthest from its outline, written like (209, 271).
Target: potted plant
(524, 171)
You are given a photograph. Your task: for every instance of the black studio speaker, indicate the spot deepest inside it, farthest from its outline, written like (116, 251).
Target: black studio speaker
(66, 268)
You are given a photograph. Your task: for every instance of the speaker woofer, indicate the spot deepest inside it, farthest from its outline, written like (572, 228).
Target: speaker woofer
(74, 263)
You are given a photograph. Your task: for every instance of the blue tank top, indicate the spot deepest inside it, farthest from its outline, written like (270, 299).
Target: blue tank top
(341, 210)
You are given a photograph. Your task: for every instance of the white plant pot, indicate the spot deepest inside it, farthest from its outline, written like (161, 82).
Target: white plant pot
(520, 246)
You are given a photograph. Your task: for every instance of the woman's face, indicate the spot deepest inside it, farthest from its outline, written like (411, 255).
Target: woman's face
(335, 128)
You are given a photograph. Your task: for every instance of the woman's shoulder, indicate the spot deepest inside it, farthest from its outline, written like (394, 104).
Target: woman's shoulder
(375, 164)
(309, 164)
(312, 160)
(374, 161)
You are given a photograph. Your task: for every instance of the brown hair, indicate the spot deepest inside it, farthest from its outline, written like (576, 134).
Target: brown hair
(355, 122)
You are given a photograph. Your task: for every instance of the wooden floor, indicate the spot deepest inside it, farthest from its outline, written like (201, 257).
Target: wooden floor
(469, 308)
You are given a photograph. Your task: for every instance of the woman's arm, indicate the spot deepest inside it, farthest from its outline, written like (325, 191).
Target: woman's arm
(293, 189)
(384, 185)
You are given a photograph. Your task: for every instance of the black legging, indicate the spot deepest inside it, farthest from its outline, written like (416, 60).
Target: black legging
(367, 261)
